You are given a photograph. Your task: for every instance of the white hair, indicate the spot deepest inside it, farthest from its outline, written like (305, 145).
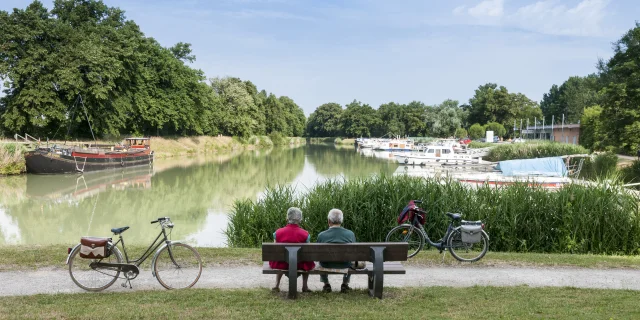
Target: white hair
(294, 215)
(335, 216)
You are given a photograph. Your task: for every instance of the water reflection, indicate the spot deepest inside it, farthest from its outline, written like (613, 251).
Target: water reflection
(196, 193)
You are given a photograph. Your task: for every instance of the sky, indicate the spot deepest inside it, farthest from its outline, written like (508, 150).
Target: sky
(379, 51)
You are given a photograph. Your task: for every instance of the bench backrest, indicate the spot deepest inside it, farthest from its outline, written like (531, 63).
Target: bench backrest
(359, 251)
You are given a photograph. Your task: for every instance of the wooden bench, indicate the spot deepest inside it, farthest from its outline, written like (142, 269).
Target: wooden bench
(375, 252)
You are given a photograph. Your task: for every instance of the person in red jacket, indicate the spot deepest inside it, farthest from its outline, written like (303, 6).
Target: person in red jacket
(292, 233)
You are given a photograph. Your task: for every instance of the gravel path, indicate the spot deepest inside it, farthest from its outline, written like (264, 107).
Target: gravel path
(58, 281)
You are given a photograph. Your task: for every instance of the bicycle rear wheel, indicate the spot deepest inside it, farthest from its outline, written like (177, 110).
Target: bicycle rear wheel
(178, 266)
(407, 233)
(467, 252)
(93, 279)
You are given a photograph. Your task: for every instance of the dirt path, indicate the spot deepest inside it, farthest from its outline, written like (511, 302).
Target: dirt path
(58, 281)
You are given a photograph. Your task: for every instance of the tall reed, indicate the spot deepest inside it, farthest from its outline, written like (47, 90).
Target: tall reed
(533, 150)
(578, 219)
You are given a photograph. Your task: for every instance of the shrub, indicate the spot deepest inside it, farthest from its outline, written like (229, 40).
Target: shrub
(476, 131)
(277, 139)
(578, 219)
(461, 133)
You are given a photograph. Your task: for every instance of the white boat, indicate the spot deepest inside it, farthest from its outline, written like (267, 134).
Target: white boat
(394, 145)
(436, 154)
(548, 173)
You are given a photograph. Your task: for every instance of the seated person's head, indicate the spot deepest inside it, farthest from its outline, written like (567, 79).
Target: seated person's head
(294, 215)
(335, 217)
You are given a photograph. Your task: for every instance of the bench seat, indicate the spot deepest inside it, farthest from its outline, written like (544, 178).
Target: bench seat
(382, 259)
(389, 268)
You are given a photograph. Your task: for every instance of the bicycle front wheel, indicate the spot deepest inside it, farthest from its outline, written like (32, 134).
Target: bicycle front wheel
(467, 252)
(94, 278)
(407, 233)
(178, 266)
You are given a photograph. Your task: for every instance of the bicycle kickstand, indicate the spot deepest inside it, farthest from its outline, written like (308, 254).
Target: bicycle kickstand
(444, 253)
(124, 284)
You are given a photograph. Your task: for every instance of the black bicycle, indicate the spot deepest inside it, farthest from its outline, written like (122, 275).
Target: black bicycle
(96, 263)
(467, 242)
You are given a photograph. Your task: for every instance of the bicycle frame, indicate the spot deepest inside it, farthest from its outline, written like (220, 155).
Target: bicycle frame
(440, 244)
(153, 247)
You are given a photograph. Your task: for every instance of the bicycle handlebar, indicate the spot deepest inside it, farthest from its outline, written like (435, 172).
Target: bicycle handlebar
(160, 219)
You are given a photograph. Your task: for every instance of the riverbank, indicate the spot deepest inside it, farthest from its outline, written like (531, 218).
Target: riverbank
(53, 257)
(12, 154)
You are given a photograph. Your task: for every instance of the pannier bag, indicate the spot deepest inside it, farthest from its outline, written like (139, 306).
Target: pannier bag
(94, 248)
(471, 231)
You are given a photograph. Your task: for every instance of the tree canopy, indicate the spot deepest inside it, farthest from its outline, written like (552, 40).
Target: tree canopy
(128, 82)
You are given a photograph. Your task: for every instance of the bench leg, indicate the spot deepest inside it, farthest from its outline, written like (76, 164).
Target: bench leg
(376, 278)
(292, 257)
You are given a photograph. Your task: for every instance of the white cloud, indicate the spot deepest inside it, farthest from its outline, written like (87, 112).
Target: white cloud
(546, 16)
(487, 8)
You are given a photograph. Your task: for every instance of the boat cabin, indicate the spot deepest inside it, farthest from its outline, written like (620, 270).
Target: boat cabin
(137, 143)
(438, 151)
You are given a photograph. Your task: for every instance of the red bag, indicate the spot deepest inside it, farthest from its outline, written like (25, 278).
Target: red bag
(409, 212)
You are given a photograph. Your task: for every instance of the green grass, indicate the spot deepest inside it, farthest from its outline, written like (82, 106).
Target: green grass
(54, 256)
(478, 144)
(415, 303)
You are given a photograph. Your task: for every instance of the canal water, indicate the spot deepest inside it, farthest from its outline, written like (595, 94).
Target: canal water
(197, 193)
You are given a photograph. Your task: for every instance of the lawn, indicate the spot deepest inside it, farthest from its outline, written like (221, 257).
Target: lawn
(412, 303)
(54, 256)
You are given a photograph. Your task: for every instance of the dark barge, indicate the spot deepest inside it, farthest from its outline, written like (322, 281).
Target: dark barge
(74, 159)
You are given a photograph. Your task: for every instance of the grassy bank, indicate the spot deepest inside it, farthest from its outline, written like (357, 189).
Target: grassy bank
(510, 151)
(421, 303)
(575, 219)
(54, 257)
(11, 158)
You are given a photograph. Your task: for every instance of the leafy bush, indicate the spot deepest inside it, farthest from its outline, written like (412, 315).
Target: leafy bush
(277, 139)
(578, 219)
(461, 133)
(476, 131)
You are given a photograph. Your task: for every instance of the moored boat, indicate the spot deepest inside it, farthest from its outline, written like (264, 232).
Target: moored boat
(74, 159)
(436, 153)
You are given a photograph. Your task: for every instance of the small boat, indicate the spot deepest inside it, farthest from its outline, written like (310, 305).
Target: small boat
(74, 159)
(436, 154)
(395, 145)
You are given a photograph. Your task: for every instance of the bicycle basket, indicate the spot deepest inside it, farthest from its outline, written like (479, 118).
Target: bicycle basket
(407, 213)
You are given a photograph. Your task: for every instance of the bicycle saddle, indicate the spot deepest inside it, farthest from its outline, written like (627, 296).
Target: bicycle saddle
(119, 230)
(454, 216)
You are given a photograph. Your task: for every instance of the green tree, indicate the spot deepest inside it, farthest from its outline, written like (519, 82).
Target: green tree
(325, 121)
(128, 83)
(358, 120)
(392, 115)
(237, 113)
(476, 131)
(415, 119)
(621, 93)
(461, 133)
(590, 128)
(444, 119)
(497, 128)
(570, 99)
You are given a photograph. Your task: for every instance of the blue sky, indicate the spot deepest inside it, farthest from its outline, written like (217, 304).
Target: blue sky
(378, 51)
